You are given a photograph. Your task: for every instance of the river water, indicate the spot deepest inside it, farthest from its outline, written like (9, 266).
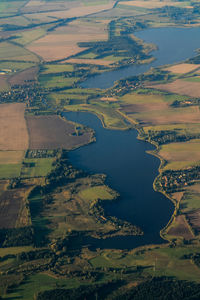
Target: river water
(131, 172)
(174, 45)
(123, 158)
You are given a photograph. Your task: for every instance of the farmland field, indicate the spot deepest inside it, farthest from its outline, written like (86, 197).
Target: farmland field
(183, 68)
(179, 155)
(36, 167)
(153, 4)
(52, 132)
(14, 135)
(63, 42)
(128, 225)
(13, 52)
(11, 203)
(181, 87)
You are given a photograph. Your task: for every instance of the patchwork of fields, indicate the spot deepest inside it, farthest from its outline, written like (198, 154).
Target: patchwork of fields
(49, 209)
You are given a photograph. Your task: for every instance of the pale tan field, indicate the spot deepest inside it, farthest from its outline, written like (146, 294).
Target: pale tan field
(182, 68)
(110, 99)
(62, 43)
(144, 107)
(13, 130)
(35, 3)
(3, 82)
(44, 6)
(181, 87)
(187, 151)
(168, 116)
(87, 61)
(11, 157)
(153, 4)
(79, 11)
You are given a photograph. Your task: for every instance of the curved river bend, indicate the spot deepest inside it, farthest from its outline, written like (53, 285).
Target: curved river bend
(131, 172)
(123, 158)
(174, 45)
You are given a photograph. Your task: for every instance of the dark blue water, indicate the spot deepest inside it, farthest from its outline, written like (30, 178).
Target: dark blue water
(174, 45)
(131, 172)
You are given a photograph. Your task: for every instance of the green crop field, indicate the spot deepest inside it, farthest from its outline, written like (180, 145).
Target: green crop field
(12, 52)
(10, 170)
(57, 81)
(57, 68)
(37, 167)
(40, 282)
(27, 37)
(57, 235)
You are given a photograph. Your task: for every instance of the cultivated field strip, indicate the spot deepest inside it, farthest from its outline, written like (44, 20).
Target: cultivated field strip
(13, 129)
(52, 132)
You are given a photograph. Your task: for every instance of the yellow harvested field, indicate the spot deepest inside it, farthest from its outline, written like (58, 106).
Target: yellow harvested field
(78, 11)
(153, 4)
(35, 3)
(62, 43)
(181, 87)
(11, 157)
(182, 68)
(87, 61)
(110, 99)
(39, 6)
(13, 129)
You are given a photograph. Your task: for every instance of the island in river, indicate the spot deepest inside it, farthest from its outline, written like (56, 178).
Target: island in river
(88, 210)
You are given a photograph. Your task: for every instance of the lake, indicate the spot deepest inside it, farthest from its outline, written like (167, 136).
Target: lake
(131, 172)
(174, 45)
(122, 157)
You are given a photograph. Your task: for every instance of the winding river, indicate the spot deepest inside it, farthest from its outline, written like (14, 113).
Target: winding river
(123, 158)
(174, 45)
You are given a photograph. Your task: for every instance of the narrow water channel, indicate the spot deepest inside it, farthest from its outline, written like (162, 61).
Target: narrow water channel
(131, 172)
(174, 45)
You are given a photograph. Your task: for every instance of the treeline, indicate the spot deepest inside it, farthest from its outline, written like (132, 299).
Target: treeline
(194, 60)
(157, 288)
(66, 74)
(84, 292)
(121, 46)
(169, 136)
(62, 173)
(121, 226)
(177, 14)
(195, 257)
(13, 237)
(185, 103)
(163, 288)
